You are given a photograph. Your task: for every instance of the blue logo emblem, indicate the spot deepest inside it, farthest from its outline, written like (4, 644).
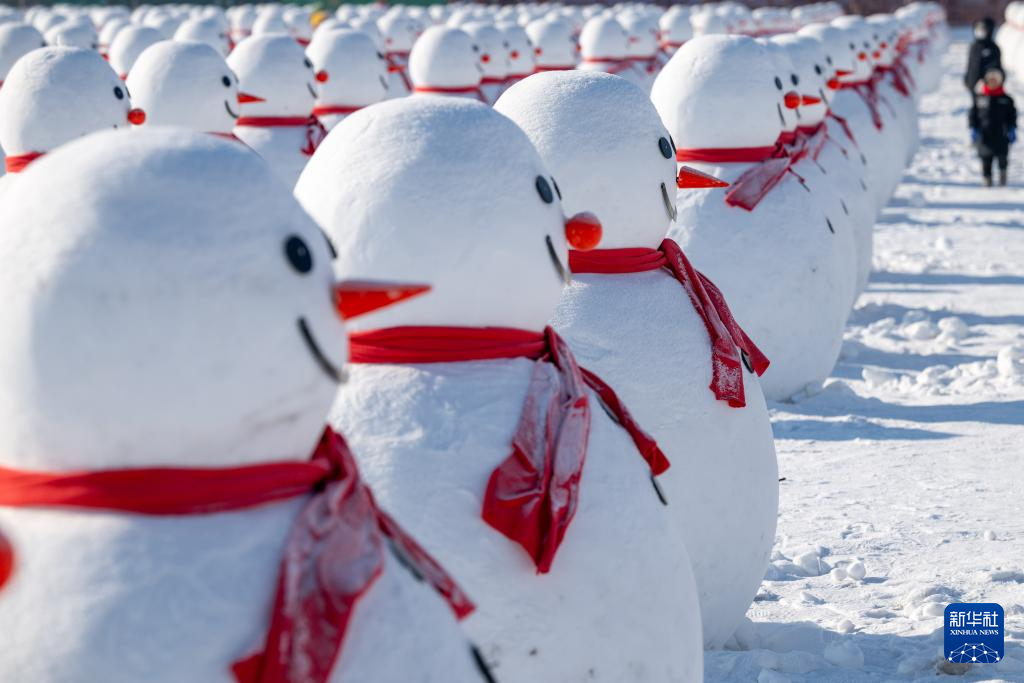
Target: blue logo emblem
(974, 633)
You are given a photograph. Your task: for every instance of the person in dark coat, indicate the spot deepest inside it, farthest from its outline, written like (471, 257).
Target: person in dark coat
(993, 121)
(984, 54)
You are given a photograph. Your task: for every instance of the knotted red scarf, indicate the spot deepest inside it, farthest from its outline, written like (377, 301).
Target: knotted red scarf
(845, 125)
(17, 163)
(770, 165)
(532, 495)
(868, 92)
(473, 90)
(397, 64)
(729, 343)
(897, 79)
(813, 138)
(329, 109)
(315, 131)
(333, 555)
(618, 64)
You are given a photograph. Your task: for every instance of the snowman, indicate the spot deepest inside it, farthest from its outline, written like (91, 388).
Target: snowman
(16, 40)
(643, 49)
(554, 46)
(359, 74)
(186, 84)
(73, 34)
(604, 46)
(765, 241)
(602, 138)
(277, 118)
(493, 58)
(54, 95)
(521, 58)
(834, 153)
(675, 29)
(446, 61)
(205, 30)
(156, 482)
(128, 44)
(459, 406)
(109, 31)
(399, 33)
(895, 84)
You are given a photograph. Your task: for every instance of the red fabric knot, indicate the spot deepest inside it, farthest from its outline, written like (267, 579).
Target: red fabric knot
(16, 163)
(332, 557)
(729, 343)
(396, 65)
(473, 90)
(532, 495)
(897, 80)
(770, 165)
(810, 141)
(845, 125)
(329, 109)
(868, 92)
(315, 131)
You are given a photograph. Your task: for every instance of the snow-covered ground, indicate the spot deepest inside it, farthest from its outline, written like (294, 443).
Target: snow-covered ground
(904, 476)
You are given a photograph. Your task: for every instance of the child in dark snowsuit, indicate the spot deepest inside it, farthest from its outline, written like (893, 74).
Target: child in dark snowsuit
(993, 121)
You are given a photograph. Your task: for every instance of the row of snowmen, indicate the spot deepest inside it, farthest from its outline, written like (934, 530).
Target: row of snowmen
(455, 392)
(1010, 38)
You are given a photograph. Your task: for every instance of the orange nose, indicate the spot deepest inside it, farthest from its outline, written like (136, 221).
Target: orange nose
(322, 76)
(485, 58)
(862, 56)
(583, 231)
(792, 100)
(843, 72)
(833, 84)
(876, 54)
(692, 179)
(136, 117)
(514, 54)
(246, 98)
(6, 560)
(808, 100)
(883, 44)
(537, 51)
(353, 298)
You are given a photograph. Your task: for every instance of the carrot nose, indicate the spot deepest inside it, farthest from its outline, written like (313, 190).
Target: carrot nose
(876, 54)
(692, 179)
(246, 98)
(353, 298)
(6, 560)
(485, 58)
(583, 231)
(322, 76)
(136, 117)
(792, 100)
(862, 56)
(514, 54)
(843, 72)
(538, 51)
(833, 84)
(808, 100)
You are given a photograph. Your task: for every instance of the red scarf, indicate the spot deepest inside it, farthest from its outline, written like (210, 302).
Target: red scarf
(395, 66)
(992, 92)
(868, 91)
(541, 69)
(812, 139)
(897, 81)
(17, 163)
(473, 90)
(729, 343)
(845, 125)
(618, 64)
(770, 165)
(329, 109)
(532, 495)
(339, 535)
(315, 131)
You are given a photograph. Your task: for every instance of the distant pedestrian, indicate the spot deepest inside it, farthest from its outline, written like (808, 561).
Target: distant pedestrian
(993, 122)
(984, 54)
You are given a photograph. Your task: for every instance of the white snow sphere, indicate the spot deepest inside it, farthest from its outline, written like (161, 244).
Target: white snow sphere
(109, 31)
(555, 46)
(186, 84)
(675, 27)
(275, 69)
(16, 41)
(789, 287)
(444, 59)
(493, 58)
(430, 435)
(163, 256)
(56, 94)
(597, 132)
(357, 73)
(206, 30)
(73, 34)
(128, 44)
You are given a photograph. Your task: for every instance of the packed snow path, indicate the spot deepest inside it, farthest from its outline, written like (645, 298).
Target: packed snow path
(905, 474)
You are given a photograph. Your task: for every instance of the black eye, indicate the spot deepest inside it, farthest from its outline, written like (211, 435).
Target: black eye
(817, 69)
(555, 183)
(666, 148)
(476, 48)
(380, 55)
(778, 83)
(544, 190)
(828, 60)
(309, 64)
(794, 80)
(118, 92)
(226, 81)
(852, 46)
(298, 254)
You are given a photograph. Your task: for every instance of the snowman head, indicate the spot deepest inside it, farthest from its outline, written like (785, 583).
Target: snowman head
(278, 75)
(808, 60)
(857, 41)
(521, 60)
(603, 38)
(553, 42)
(791, 84)
(56, 94)
(207, 30)
(722, 92)
(168, 304)
(185, 84)
(601, 137)
(398, 31)
(493, 49)
(444, 191)
(74, 34)
(269, 21)
(675, 27)
(446, 57)
(840, 62)
(358, 70)
(16, 41)
(642, 31)
(128, 44)
(884, 36)
(109, 31)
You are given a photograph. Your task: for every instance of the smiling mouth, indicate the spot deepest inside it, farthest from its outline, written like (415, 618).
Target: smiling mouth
(311, 90)
(670, 206)
(230, 113)
(563, 272)
(782, 118)
(318, 355)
